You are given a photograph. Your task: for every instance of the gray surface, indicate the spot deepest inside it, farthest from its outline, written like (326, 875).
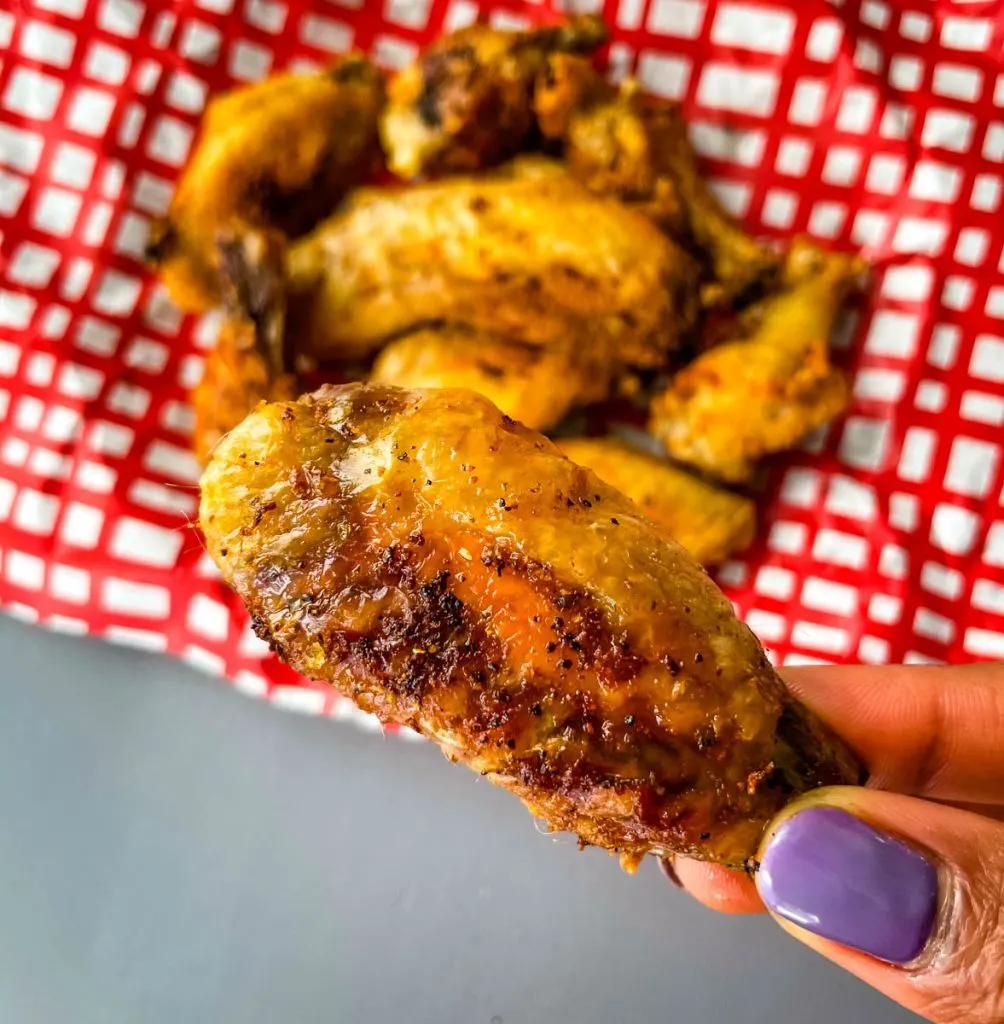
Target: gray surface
(171, 851)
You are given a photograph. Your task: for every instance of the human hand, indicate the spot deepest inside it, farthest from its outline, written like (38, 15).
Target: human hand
(900, 882)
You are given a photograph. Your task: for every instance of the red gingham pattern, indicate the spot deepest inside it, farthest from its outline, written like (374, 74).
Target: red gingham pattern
(867, 123)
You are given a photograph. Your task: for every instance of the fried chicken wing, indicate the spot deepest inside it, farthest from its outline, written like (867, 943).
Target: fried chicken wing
(466, 103)
(479, 96)
(710, 522)
(236, 378)
(537, 386)
(250, 363)
(281, 154)
(621, 142)
(448, 569)
(530, 255)
(746, 399)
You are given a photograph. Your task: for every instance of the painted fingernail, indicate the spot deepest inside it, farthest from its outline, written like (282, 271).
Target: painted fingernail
(837, 877)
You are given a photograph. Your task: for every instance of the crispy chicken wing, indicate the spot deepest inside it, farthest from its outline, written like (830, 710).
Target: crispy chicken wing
(250, 363)
(624, 143)
(236, 378)
(746, 399)
(537, 386)
(281, 154)
(479, 96)
(710, 522)
(450, 570)
(466, 104)
(532, 256)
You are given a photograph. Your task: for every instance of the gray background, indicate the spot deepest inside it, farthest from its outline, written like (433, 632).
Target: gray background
(171, 851)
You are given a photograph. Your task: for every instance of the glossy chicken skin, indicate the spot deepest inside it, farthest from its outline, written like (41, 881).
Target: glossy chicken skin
(465, 104)
(450, 570)
(710, 522)
(748, 398)
(537, 386)
(532, 256)
(280, 153)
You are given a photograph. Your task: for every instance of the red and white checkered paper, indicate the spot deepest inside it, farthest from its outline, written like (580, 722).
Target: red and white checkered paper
(869, 124)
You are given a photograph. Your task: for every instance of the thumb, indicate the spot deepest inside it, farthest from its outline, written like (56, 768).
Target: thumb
(904, 893)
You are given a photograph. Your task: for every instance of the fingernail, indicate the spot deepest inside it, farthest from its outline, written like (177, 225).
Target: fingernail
(837, 877)
(669, 870)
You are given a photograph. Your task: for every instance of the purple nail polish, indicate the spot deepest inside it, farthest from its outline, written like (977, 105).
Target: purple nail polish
(837, 877)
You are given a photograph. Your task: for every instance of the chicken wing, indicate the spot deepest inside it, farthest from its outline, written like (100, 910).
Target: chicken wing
(466, 103)
(281, 154)
(746, 399)
(710, 522)
(448, 569)
(537, 386)
(250, 363)
(533, 256)
(624, 143)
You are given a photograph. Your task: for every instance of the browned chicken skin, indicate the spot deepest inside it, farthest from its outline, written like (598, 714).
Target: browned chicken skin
(536, 385)
(520, 284)
(280, 154)
(477, 97)
(612, 143)
(760, 394)
(450, 570)
(236, 378)
(710, 522)
(528, 253)
(619, 141)
(251, 362)
(466, 103)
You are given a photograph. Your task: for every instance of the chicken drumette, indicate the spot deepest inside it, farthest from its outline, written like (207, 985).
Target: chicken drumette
(279, 154)
(763, 392)
(450, 570)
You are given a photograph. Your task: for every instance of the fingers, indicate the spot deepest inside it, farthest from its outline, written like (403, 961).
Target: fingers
(717, 887)
(934, 732)
(906, 894)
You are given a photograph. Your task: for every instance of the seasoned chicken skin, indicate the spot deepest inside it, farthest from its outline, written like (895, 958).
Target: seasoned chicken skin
(710, 522)
(250, 363)
(761, 394)
(481, 95)
(532, 256)
(621, 142)
(236, 378)
(450, 570)
(466, 103)
(281, 154)
(537, 386)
